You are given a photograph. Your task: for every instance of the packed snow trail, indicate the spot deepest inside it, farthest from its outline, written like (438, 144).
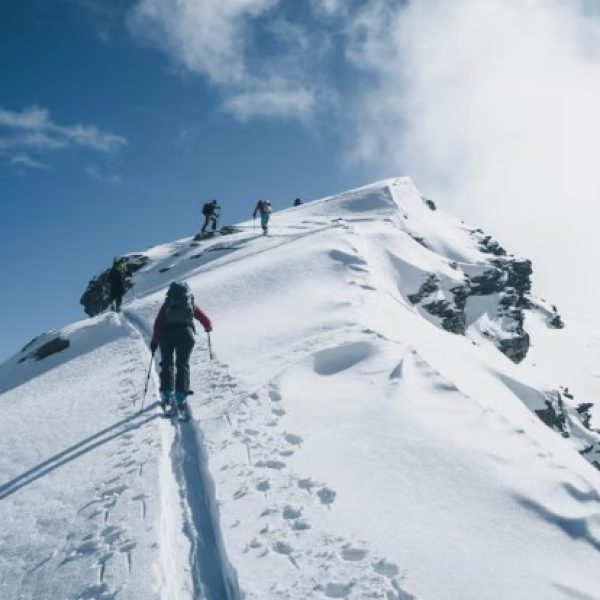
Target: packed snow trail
(213, 577)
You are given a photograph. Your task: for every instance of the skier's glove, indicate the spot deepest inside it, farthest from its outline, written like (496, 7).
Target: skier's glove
(208, 330)
(153, 346)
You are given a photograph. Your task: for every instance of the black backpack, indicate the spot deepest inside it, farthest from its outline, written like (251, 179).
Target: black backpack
(179, 304)
(207, 209)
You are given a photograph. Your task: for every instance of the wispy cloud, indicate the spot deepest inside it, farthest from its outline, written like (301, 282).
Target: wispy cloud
(32, 130)
(210, 38)
(219, 41)
(25, 161)
(276, 100)
(99, 175)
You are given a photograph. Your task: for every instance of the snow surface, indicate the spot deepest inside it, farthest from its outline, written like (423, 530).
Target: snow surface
(342, 444)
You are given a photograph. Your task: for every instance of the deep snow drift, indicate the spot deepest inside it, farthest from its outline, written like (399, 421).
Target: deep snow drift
(390, 414)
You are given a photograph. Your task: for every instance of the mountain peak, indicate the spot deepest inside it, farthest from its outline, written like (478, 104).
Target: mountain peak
(381, 375)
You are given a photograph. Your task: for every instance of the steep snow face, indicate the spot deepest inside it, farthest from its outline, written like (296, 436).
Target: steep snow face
(390, 414)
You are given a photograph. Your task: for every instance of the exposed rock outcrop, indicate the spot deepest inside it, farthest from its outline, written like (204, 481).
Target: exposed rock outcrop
(429, 203)
(507, 281)
(53, 346)
(572, 420)
(96, 297)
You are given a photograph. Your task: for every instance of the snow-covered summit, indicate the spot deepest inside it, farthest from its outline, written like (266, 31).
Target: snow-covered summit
(391, 414)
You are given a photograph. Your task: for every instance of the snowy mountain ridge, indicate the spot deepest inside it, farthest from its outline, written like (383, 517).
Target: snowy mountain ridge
(391, 414)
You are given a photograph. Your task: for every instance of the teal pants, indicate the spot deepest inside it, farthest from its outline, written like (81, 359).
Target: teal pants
(264, 220)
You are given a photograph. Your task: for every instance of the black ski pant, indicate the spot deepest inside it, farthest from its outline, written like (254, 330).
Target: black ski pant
(176, 343)
(207, 220)
(116, 296)
(116, 303)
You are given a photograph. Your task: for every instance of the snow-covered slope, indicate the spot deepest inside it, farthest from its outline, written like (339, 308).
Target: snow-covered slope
(390, 414)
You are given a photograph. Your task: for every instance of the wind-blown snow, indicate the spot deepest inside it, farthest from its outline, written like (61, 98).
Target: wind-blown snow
(343, 444)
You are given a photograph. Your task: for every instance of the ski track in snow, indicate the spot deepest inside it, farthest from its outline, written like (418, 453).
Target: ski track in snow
(213, 578)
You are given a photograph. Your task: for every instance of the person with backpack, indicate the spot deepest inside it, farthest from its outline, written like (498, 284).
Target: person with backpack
(174, 333)
(210, 210)
(116, 281)
(264, 208)
(297, 202)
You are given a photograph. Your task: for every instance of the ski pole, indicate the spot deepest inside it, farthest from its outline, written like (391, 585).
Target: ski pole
(211, 379)
(210, 352)
(147, 380)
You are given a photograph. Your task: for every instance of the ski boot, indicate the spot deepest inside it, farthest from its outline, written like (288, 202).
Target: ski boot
(167, 402)
(181, 406)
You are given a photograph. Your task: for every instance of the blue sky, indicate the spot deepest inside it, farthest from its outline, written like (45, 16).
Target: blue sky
(119, 118)
(67, 211)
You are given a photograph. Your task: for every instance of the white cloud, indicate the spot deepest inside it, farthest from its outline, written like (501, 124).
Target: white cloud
(273, 101)
(494, 107)
(218, 40)
(25, 161)
(33, 129)
(205, 37)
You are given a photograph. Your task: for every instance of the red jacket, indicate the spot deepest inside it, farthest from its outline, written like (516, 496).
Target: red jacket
(161, 320)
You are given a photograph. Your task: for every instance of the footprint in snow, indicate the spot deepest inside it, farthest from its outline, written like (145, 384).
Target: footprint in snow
(282, 548)
(326, 495)
(338, 590)
(111, 534)
(290, 512)
(294, 440)
(306, 484)
(274, 395)
(263, 486)
(352, 554)
(385, 568)
(285, 550)
(300, 525)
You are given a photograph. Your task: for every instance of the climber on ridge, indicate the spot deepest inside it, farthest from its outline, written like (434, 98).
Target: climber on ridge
(264, 208)
(210, 210)
(116, 280)
(174, 333)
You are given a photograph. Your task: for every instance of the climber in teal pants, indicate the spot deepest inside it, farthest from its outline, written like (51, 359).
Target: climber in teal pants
(264, 208)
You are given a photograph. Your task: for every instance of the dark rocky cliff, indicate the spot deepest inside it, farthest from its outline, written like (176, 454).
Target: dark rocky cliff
(96, 297)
